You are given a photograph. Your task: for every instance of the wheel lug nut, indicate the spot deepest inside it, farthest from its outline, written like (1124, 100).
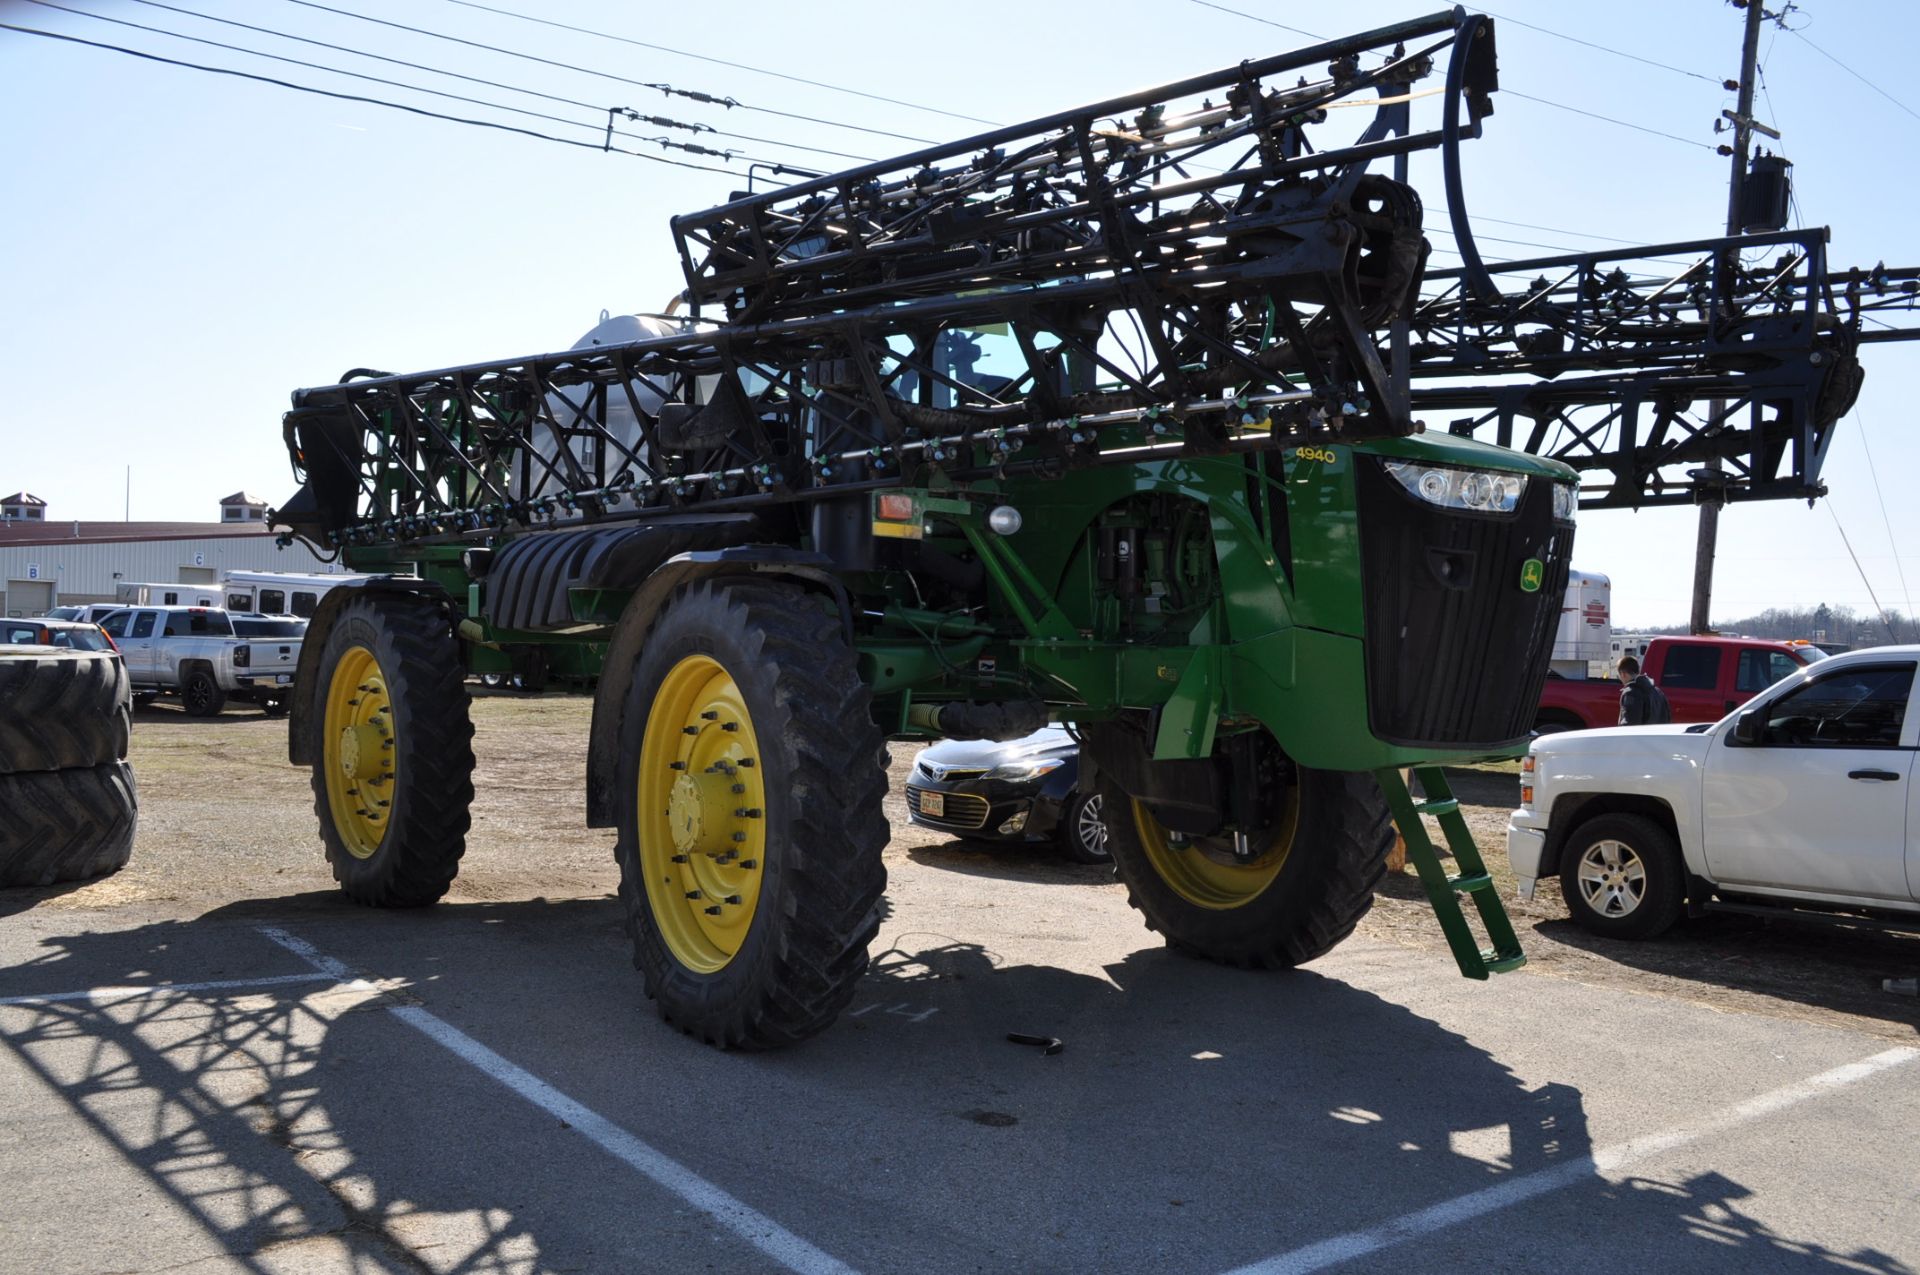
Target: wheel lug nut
(712, 911)
(739, 788)
(739, 836)
(745, 761)
(690, 730)
(676, 765)
(693, 894)
(734, 899)
(679, 858)
(749, 863)
(709, 716)
(729, 725)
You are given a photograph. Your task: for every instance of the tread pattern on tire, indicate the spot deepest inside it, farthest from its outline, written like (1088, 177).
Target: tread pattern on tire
(427, 835)
(1323, 898)
(62, 709)
(837, 831)
(66, 825)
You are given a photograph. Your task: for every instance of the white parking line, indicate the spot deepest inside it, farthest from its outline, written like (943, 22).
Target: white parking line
(778, 1243)
(1622, 1155)
(165, 989)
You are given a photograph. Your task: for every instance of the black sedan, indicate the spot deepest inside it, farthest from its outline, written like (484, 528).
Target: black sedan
(1021, 790)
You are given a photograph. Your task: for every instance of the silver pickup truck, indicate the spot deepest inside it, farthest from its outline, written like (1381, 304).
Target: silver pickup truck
(207, 656)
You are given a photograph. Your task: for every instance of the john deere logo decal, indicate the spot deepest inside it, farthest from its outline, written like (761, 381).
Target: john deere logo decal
(1532, 572)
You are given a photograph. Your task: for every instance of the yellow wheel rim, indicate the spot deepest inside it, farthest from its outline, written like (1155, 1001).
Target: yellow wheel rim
(1207, 876)
(702, 814)
(359, 750)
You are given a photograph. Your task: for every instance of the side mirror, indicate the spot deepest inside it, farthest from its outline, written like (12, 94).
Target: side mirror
(1750, 726)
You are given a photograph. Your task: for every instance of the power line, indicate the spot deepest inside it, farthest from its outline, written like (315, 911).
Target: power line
(370, 101)
(1884, 617)
(1638, 128)
(605, 75)
(1604, 48)
(1855, 74)
(739, 66)
(1254, 17)
(596, 108)
(399, 84)
(1860, 423)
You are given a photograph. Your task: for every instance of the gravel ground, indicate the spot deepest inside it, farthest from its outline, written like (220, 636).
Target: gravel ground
(225, 817)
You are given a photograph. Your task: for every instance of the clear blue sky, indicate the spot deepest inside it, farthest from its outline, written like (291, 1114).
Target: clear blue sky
(179, 250)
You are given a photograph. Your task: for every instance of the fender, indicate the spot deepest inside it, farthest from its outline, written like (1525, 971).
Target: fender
(813, 570)
(299, 734)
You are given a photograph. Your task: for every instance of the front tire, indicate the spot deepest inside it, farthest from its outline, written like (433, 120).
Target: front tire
(751, 822)
(1622, 877)
(393, 748)
(1293, 900)
(1083, 834)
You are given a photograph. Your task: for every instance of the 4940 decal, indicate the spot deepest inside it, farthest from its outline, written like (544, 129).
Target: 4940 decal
(1325, 455)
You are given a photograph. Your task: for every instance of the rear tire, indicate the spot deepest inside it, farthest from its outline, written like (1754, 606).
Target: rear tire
(66, 825)
(62, 709)
(750, 930)
(393, 747)
(1259, 916)
(201, 695)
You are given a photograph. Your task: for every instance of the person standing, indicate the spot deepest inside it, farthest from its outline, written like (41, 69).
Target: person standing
(1641, 703)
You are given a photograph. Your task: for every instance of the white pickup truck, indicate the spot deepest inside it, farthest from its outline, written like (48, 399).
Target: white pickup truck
(206, 656)
(1806, 800)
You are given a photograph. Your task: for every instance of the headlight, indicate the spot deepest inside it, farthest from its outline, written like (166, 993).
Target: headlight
(1480, 490)
(1032, 768)
(1566, 498)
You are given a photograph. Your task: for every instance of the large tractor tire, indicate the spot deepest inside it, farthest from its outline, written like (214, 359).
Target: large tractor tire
(66, 825)
(62, 709)
(751, 822)
(393, 749)
(1302, 889)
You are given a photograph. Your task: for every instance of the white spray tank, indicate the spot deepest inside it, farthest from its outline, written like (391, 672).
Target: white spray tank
(613, 329)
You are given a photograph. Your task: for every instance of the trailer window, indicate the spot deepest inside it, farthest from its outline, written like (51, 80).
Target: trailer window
(303, 604)
(273, 601)
(239, 602)
(1691, 668)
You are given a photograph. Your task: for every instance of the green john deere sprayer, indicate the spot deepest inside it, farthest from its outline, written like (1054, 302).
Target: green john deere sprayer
(1083, 420)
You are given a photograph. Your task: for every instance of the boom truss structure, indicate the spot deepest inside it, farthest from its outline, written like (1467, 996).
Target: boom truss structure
(1710, 369)
(1182, 270)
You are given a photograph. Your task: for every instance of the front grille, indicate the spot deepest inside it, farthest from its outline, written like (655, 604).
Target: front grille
(964, 811)
(1457, 652)
(949, 774)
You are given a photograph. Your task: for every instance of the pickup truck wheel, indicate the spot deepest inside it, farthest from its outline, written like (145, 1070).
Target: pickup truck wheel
(1622, 877)
(393, 778)
(65, 825)
(201, 695)
(62, 709)
(1293, 898)
(751, 816)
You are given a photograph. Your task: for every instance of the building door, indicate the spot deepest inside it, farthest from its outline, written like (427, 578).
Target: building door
(29, 597)
(199, 575)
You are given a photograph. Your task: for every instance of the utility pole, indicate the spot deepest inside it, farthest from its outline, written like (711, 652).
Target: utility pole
(1704, 549)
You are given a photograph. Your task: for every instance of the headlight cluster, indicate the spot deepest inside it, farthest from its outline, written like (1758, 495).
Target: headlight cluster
(1566, 498)
(1479, 490)
(1032, 768)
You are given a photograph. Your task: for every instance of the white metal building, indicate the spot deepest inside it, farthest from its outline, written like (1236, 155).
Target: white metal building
(45, 563)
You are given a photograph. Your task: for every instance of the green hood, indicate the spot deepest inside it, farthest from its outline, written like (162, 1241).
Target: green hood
(1437, 448)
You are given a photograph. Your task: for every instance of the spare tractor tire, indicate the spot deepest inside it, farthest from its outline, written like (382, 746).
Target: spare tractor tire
(65, 825)
(62, 709)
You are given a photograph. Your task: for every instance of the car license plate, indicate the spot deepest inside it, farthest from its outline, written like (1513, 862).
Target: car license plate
(933, 803)
(283, 678)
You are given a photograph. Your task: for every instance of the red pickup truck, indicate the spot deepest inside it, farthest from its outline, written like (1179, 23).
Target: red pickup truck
(1703, 678)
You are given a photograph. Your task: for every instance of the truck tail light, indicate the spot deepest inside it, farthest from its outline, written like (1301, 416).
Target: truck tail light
(1526, 794)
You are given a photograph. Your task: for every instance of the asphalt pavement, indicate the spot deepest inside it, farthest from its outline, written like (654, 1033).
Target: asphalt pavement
(295, 1084)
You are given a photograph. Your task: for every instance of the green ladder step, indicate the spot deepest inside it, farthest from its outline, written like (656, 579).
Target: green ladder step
(1444, 891)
